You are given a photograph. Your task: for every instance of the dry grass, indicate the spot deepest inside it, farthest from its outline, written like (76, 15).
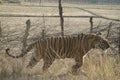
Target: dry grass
(104, 67)
(95, 67)
(110, 11)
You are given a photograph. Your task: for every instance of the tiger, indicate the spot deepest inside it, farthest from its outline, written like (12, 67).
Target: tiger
(61, 47)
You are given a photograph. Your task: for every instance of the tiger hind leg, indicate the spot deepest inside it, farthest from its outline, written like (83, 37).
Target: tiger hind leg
(47, 64)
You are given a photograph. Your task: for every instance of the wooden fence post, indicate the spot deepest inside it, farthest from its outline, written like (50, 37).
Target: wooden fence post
(28, 24)
(91, 24)
(109, 28)
(0, 29)
(61, 17)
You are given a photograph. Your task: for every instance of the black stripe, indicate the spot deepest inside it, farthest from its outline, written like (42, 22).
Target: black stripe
(67, 46)
(70, 46)
(61, 46)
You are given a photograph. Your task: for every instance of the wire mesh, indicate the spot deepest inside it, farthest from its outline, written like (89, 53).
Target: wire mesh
(76, 16)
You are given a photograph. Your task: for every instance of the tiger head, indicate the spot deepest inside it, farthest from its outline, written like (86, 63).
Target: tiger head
(100, 43)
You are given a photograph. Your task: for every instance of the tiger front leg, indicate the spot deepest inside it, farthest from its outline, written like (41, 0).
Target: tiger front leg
(77, 66)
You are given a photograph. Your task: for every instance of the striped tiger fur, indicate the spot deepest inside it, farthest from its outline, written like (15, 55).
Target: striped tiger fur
(64, 47)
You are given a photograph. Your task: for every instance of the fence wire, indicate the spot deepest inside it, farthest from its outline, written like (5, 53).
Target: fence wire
(76, 17)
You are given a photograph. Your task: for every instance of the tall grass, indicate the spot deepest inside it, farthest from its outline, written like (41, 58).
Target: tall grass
(95, 67)
(102, 68)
